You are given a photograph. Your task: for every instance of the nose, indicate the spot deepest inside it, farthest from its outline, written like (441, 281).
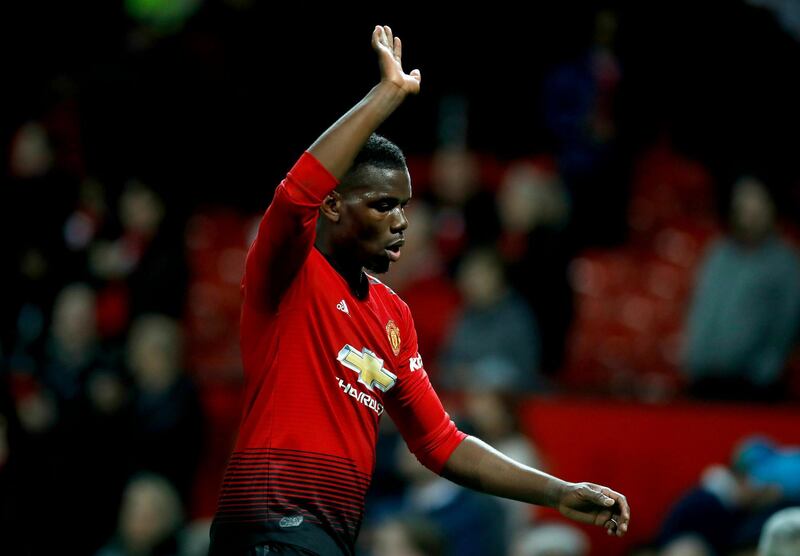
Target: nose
(399, 221)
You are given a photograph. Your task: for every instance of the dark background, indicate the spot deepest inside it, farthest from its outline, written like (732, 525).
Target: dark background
(219, 111)
(212, 113)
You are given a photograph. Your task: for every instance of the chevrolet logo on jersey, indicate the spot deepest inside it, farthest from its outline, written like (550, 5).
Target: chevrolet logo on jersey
(369, 368)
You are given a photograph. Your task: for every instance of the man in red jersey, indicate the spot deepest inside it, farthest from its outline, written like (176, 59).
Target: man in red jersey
(327, 349)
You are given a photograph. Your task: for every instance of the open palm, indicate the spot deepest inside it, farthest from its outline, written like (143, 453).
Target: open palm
(390, 52)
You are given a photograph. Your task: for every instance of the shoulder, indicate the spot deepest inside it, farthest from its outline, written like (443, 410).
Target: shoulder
(382, 290)
(380, 286)
(785, 249)
(719, 251)
(782, 258)
(721, 245)
(390, 297)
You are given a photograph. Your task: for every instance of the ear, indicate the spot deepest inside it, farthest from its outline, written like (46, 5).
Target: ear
(331, 206)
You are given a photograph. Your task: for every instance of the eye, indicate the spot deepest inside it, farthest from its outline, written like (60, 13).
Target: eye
(384, 205)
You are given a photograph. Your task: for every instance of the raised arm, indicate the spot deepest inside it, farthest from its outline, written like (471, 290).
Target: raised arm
(286, 233)
(477, 465)
(338, 146)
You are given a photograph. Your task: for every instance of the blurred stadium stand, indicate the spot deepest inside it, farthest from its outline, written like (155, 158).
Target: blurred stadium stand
(195, 102)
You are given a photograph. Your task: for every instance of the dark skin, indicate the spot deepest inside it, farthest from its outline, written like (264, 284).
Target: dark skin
(361, 226)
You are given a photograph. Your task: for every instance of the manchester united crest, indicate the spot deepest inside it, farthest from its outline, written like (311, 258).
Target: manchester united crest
(394, 336)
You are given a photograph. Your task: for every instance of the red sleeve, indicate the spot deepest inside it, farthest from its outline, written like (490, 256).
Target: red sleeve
(417, 411)
(286, 233)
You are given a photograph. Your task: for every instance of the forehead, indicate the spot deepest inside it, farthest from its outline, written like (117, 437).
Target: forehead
(377, 183)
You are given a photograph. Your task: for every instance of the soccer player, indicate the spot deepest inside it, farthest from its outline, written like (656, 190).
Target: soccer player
(327, 349)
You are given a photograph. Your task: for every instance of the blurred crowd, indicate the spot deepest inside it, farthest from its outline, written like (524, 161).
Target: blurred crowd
(585, 269)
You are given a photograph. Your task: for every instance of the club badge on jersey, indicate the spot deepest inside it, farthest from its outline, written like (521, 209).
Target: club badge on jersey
(393, 332)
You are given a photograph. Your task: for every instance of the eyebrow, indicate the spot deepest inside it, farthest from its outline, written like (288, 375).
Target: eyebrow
(373, 196)
(388, 199)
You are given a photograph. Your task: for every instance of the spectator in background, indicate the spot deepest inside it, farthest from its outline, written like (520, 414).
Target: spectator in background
(150, 519)
(44, 167)
(535, 246)
(144, 269)
(580, 104)
(74, 348)
(745, 312)
(494, 342)
(766, 464)
(460, 200)
(167, 427)
(42, 271)
(88, 216)
(73, 355)
(707, 520)
(554, 539)
(159, 275)
(84, 376)
(728, 508)
(57, 372)
(781, 534)
(408, 536)
(72, 450)
(473, 524)
(491, 414)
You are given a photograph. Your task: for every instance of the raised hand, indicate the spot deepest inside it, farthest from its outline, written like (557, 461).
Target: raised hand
(390, 51)
(599, 505)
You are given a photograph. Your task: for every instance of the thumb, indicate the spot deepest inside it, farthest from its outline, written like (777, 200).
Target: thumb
(601, 499)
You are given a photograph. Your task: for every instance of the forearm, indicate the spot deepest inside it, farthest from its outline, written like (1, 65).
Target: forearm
(477, 465)
(338, 146)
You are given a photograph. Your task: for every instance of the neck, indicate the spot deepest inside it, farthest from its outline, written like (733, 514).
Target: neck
(350, 270)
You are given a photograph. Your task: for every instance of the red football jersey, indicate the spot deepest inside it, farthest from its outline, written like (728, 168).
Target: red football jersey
(321, 367)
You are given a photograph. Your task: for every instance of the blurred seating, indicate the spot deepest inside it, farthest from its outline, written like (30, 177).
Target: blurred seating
(651, 452)
(216, 248)
(630, 305)
(631, 300)
(667, 188)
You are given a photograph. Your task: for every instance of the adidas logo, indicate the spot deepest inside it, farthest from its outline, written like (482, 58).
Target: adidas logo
(342, 306)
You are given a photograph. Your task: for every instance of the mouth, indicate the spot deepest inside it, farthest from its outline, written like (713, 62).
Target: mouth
(393, 250)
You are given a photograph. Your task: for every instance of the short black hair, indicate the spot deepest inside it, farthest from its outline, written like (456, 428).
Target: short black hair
(377, 152)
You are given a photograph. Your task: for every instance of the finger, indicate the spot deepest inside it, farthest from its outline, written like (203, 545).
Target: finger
(381, 34)
(610, 526)
(622, 513)
(594, 495)
(389, 36)
(398, 48)
(416, 75)
(615, 527)
(582, 517)
(376, 36)
(603, 518)
(623, 510)
(386, 37)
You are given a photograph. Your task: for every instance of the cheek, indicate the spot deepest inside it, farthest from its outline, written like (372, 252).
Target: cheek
(371, 229)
